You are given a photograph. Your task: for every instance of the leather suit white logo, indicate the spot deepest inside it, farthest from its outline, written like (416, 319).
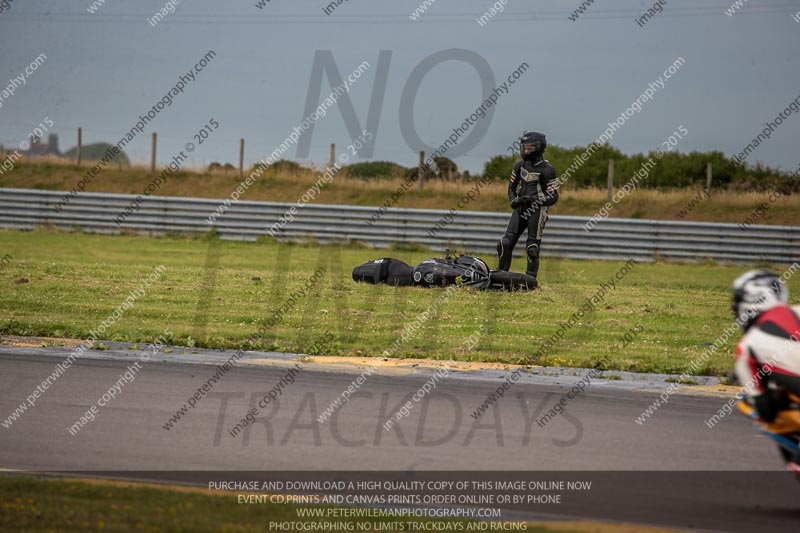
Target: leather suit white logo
(529, 176)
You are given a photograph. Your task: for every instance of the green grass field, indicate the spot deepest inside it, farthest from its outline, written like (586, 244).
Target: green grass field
(65, 284)
(28, 504)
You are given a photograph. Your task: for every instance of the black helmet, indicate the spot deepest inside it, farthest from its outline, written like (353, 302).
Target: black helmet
(532, 145)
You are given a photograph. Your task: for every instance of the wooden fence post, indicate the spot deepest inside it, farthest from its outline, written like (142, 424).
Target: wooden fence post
(709, 175)
(421, 170)
(610, 179)
(241, 158)
(80, 143)
(153, 154)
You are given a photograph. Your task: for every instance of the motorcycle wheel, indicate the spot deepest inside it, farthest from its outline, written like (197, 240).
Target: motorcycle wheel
(512, 281)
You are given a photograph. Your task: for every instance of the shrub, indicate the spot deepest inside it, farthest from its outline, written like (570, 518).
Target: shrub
(376, 169)
(675, 170)
(96, 152)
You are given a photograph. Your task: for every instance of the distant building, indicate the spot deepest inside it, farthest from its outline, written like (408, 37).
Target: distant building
(39, 149)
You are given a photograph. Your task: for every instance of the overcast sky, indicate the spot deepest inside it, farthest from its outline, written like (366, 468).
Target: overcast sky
(105, 69)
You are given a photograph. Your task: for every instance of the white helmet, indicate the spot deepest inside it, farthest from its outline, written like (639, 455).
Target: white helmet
(756, 291)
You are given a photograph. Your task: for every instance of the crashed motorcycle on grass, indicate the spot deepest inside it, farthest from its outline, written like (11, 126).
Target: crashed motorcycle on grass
(463, 271)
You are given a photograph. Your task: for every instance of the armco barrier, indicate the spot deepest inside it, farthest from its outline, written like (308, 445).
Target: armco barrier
(473, 231)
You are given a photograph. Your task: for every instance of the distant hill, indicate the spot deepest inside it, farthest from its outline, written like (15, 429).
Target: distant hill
(95, 152)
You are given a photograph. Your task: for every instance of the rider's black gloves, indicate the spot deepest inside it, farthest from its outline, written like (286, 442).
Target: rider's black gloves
(549, 200)
(524, 201)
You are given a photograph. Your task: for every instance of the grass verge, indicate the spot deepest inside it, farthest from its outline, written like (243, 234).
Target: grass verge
(218, 294)
(722, 206)
(30, 504)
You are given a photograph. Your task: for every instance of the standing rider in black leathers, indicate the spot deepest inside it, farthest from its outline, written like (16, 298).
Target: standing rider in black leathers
(532, 190)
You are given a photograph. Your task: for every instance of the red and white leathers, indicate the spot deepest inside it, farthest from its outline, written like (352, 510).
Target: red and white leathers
(769, 353)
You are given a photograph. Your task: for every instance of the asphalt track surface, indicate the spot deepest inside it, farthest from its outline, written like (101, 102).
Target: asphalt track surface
(666, 472)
